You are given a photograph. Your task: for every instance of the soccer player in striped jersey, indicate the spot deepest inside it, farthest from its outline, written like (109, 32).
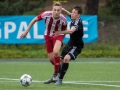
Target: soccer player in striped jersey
(54, 21)
(75, 43)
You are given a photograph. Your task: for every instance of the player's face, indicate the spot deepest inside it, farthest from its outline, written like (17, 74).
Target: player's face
(74, 14)
(56, 11)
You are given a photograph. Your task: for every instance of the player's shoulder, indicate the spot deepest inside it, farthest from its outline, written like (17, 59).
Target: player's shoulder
(80, 20)
(62, 17)
(47, 13)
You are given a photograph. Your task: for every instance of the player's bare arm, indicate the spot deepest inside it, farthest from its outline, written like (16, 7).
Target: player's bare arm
(70, 31)
(66, 11)
(28, 28)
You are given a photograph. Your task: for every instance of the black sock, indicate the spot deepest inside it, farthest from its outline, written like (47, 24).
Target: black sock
(60, 67)
(64, 70)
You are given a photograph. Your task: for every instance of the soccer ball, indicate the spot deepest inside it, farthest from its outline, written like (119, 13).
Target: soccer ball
(25, 80)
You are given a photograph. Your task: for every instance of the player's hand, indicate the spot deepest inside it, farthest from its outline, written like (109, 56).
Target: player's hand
(23, 35)
(63, 9)
(56, 33)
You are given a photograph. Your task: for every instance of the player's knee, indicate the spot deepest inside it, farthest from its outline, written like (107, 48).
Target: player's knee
(55, 53)
(50, 57)
(66, 59)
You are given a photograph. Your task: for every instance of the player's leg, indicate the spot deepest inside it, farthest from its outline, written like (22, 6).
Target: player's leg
(49, 49)
(57, 46)
(72, 54)
(56, 58)
(51, 58)
(61, 63)
(63, 54)
(64, 69)
(56, 50)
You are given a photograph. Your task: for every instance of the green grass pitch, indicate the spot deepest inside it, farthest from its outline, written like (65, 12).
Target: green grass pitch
(83, 74)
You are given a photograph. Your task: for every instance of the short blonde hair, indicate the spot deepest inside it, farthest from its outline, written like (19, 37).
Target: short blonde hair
(57, 4)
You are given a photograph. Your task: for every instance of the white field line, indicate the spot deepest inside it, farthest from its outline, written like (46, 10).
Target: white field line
(15, 80)
(65, 81)
(109, 85)
(69, 82)
(90, 81)
(9, 79)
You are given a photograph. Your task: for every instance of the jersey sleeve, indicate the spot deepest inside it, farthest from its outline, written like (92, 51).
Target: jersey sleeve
(76, 25)
(42, 15)
(64, 22)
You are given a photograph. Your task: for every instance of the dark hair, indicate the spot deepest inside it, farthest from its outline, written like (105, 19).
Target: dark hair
(78, 8)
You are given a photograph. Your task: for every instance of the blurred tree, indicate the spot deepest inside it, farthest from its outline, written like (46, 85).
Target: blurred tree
(18, 7)
(114, 6)
(91, 7)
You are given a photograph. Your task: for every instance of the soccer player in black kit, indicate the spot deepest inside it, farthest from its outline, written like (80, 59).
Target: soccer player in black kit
(75, 44)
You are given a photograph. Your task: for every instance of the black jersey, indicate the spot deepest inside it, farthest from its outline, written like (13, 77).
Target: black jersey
(75, 43)
(76, 36)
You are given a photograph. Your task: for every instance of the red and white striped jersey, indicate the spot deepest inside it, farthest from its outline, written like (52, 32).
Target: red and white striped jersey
(51, 23)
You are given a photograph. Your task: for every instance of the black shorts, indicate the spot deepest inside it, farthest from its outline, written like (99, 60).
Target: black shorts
(73, 51)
